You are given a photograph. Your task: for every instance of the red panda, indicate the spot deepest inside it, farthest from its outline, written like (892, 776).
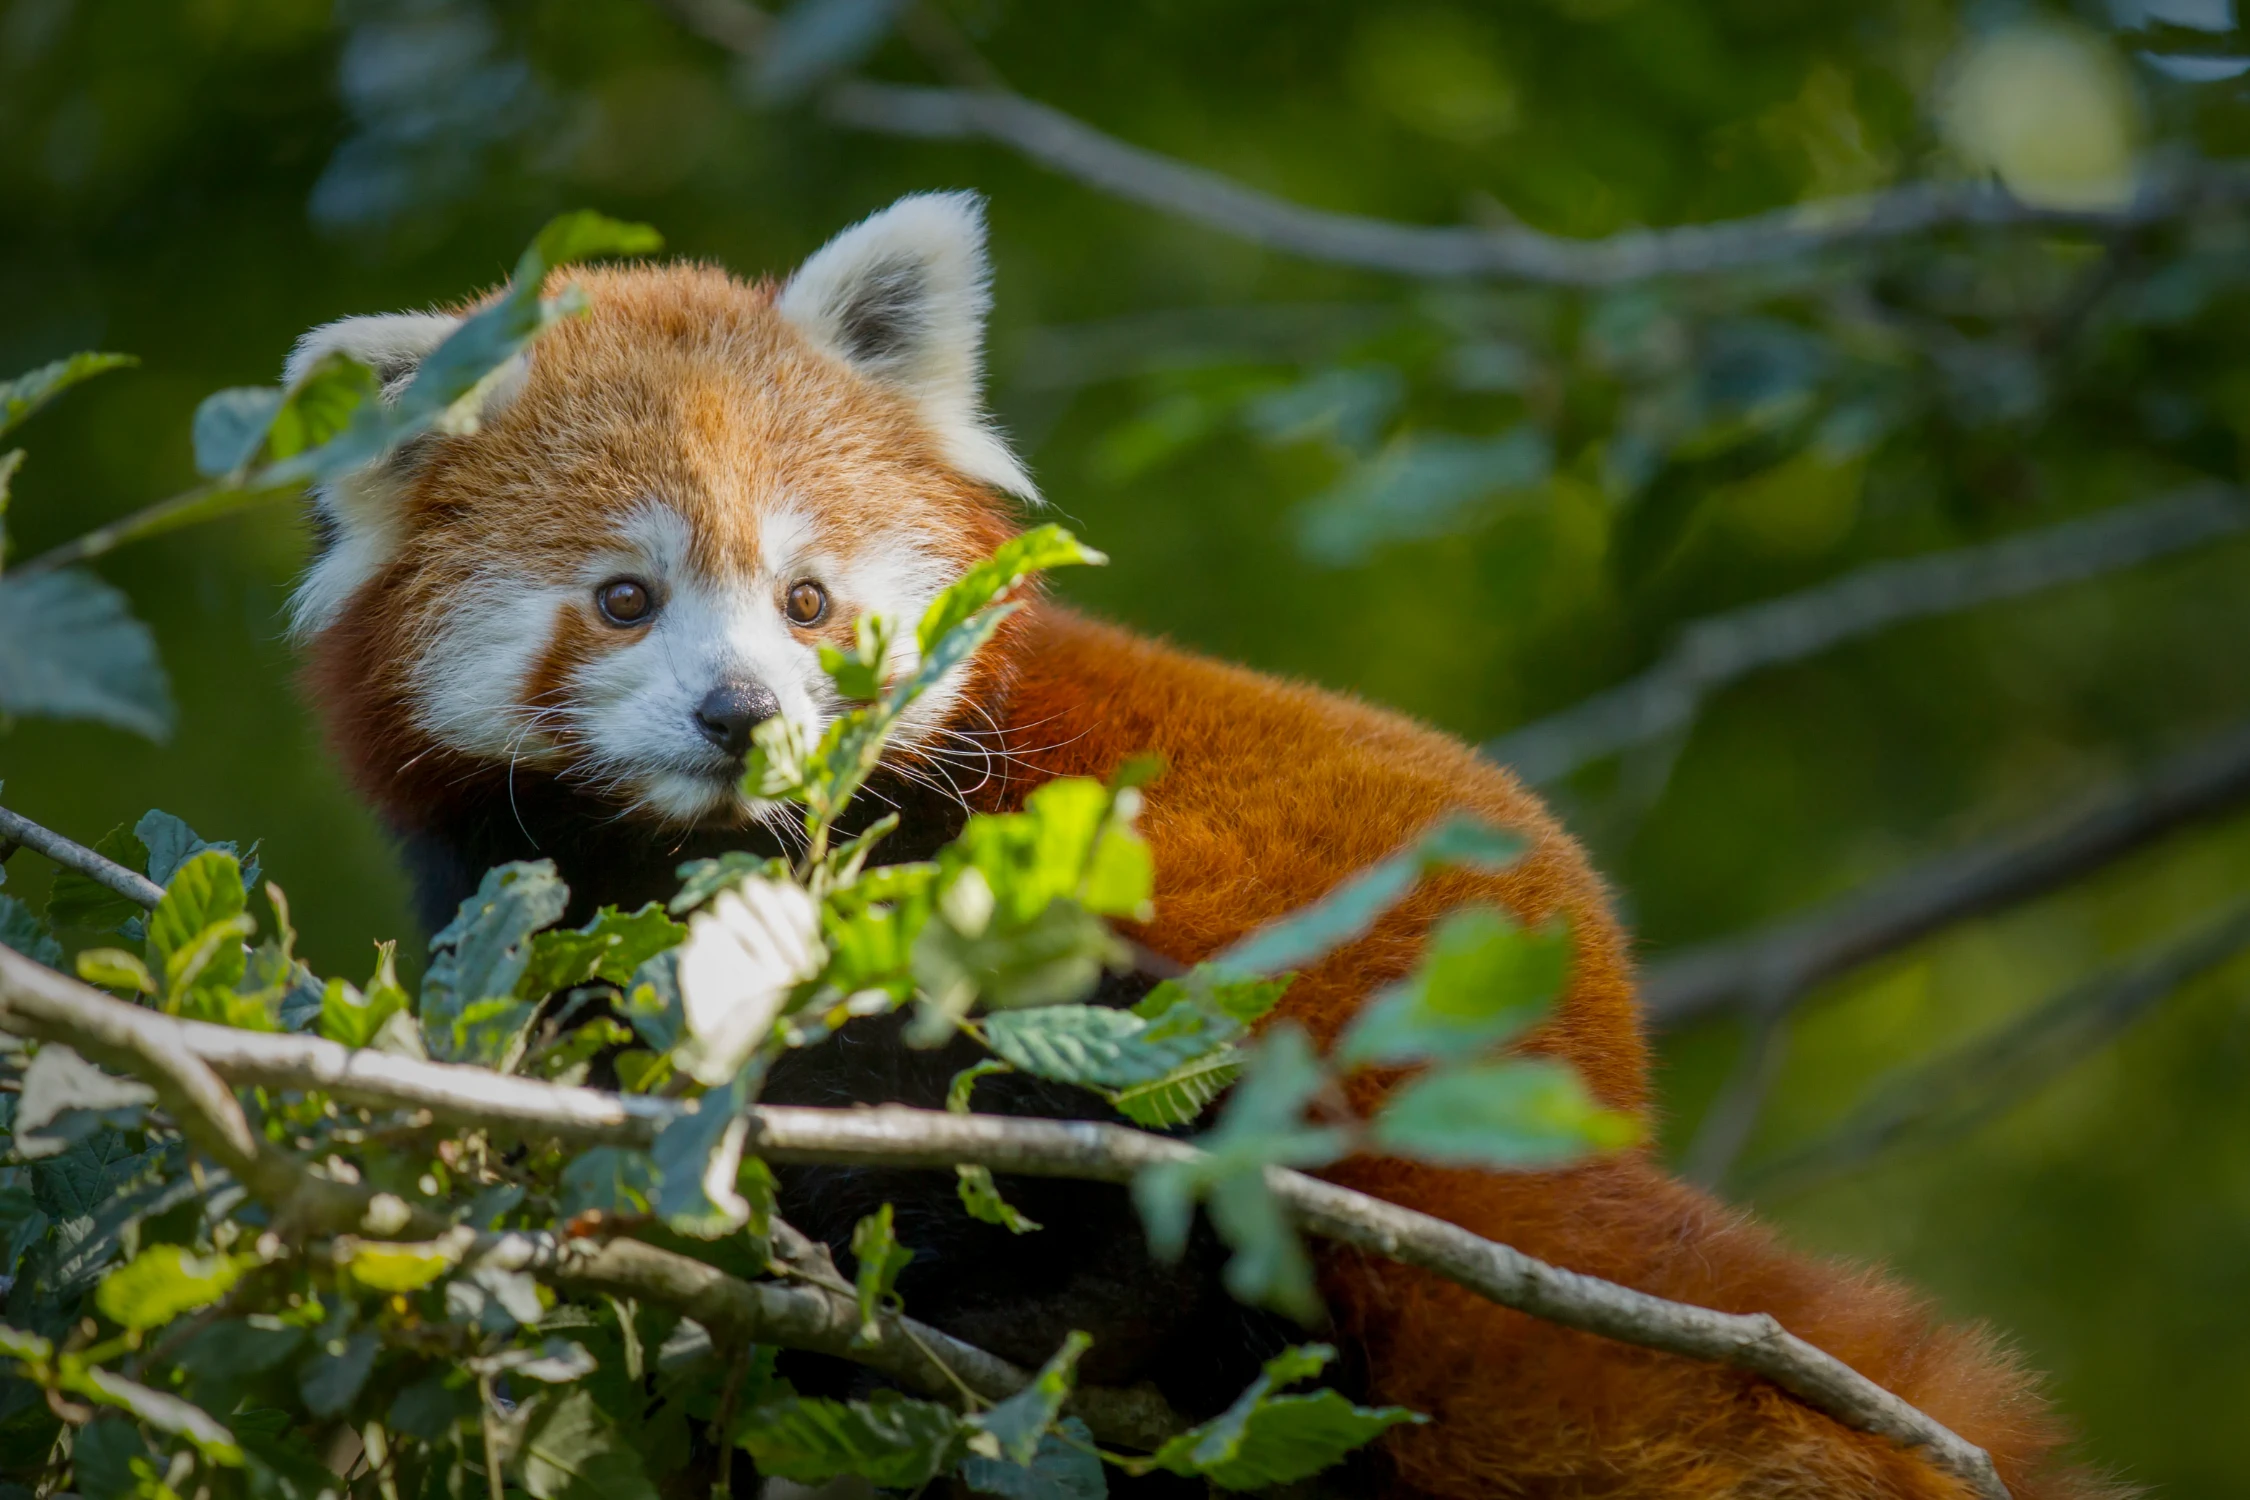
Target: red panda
(552, 636)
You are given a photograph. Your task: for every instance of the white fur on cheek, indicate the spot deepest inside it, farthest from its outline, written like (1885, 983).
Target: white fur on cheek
(469, 682)
(363, 511)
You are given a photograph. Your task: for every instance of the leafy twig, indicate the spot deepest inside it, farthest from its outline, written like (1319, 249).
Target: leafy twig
(35, 999)
(131, 884)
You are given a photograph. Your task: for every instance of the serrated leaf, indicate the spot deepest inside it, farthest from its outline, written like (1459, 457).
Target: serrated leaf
(164, 1281)
(27, 935)
(1483, 981)
(1264, 1439)
(1011, 1430)
(168, 843)
(25, 394)
(1180, 1096)
(893, 1441)
(879, 1259)
(1066, 1467)
(70, 648)
(610, 947)
(195, 934)
(701, 879)
(75, 900)
(1521, 1113)
(1094, 1045)
(697, 1155)
(572, 1451)
(1040, 548)
(480, 956)
(356, 1018)
(66, 1098)
(609, 1180)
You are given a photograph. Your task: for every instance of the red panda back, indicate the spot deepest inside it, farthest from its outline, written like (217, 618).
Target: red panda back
(1273, 794)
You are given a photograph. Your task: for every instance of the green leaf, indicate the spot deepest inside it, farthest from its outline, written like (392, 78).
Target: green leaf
(333, 395)
(1264, 1439)
(1066, 1467)
(1180, 1096)
(230, 427)
(65, 1098)
(164, 1281)
(880, 1258)
(611, 947)
(1262, 1125)
(608, 1180)
(382, 1266)
(167, 843)
(1092, 1044)
(331, 1379)
(1521, 1113)
(1346, 913)
(1033, 551)
(74, 900)
(25, 933)
(980, 1195)
(1012, 1429)
(102, 1459)
(858, 673)
(25, 394)
(70, 648)
(195, 933)
(480, 956)
(893, 1441)
(701, 879)
(1484, 981)
(354, 1018)
(116, 969)
(487, 339)
(697, 1156)
(572, 1451)
(1056, 957)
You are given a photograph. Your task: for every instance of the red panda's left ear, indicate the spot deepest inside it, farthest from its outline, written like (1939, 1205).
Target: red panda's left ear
(901, 297)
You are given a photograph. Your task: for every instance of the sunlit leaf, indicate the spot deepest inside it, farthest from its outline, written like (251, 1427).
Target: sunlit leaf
(1033, 551)
(879, 1258)
(164, 1281)
(1521, 1113)
(1482, 981)
(1264, 1439)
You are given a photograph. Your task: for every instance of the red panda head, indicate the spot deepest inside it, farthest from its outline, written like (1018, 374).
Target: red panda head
(664, 512)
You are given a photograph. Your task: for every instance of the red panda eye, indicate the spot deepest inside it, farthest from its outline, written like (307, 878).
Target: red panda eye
(624, 601)
(806, 603)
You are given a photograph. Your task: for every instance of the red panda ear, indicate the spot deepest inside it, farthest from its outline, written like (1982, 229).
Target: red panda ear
(392, 344)
(356, 518)
(901, 297)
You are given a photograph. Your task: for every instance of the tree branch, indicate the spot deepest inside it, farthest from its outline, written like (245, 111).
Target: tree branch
(34, 999)
(1793, 956)
(1717, 650)
(1990, 1075)
(1076, 150)
(131, 884)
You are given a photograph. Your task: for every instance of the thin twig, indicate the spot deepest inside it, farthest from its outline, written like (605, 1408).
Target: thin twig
(35, 999)
(1989, 1076)
(130, 884)
(1796, 955)
(1720, 649)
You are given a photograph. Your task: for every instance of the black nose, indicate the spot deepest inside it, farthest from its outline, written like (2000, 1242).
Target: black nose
(731, 710)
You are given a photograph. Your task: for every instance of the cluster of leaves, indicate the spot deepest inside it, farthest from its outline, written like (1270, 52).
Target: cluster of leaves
(166, 1337)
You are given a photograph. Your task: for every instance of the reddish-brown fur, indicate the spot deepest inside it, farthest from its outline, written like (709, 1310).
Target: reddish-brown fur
(685, 383)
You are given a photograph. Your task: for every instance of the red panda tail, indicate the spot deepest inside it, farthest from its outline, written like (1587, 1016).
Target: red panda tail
(1523, 1407)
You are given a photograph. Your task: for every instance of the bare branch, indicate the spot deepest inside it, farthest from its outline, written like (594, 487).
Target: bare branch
(1947, 1097)
(1721, 649)
(37, 1000)
(131, 884)
(1793, 956)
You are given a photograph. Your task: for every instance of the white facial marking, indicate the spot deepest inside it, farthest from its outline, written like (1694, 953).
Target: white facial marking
(470, 680)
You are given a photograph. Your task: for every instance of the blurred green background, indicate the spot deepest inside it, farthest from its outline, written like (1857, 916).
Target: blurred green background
(1477, 501)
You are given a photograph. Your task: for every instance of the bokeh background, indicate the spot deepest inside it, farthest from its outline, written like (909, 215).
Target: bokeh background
(1479, 499)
